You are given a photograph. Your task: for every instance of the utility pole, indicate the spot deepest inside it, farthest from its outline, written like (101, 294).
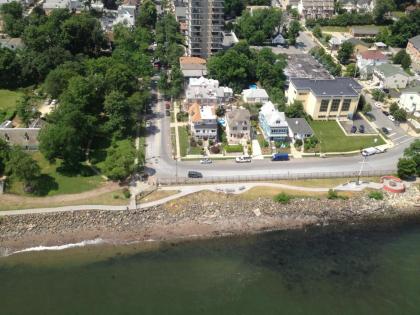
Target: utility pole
(361, 170)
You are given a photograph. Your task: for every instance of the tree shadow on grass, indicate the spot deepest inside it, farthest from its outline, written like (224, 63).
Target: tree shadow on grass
(77, 170)
(44, 184)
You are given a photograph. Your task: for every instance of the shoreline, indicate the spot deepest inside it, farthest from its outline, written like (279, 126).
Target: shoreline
(199, 216)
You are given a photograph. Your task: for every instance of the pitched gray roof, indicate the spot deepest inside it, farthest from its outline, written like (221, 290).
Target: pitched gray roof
(237, 116)
(299, 126)
(415, 41)
(356, 41)
(328, 87)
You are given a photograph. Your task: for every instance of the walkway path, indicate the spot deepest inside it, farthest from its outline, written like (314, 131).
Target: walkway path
(237, 188)
(178, 148)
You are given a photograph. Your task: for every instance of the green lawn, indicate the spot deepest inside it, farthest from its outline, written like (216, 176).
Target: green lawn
(183, 140)
(54, 182)
(335, 28)
(8, 102)
(333, 139)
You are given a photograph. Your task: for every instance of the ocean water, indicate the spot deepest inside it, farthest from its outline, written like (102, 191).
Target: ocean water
(363, 270)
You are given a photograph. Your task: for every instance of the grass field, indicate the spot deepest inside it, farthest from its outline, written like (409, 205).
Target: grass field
(333, 139)
(346, 29)
(8, 103)
(183, 140)
(54, 182)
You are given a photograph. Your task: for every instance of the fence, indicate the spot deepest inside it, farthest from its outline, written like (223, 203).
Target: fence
(269, 177)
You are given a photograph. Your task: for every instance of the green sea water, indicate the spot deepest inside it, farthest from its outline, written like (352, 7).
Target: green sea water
(317, 271)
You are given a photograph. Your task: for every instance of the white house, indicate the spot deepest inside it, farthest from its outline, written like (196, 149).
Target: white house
(273, 123)
(203, 121)
(410, 100)
(299, 128)
(255, 96)
(389, 76)
(367, 60)
(207, 91)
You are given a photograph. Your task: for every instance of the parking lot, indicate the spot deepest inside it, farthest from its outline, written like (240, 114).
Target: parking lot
(357, 122)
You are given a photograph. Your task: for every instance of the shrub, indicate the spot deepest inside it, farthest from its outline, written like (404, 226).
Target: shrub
(182, 116)
(298, 142)
(211, 142)
(377, 195)
(126, 193)
(234, 148)
(215, 149)
(332, 194)
(282, 198)
(200, 142)
(193, 143)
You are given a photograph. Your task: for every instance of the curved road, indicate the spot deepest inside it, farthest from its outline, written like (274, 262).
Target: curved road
(159, 158)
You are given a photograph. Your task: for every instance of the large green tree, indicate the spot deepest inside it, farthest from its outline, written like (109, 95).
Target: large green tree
(12, 16)
(22, 166)
(345, 52)
(118, 112)
(382, 9)
(148, 15)
(119, 163)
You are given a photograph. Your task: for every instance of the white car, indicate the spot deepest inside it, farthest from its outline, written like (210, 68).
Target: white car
(206, 161)
(378, 104)
(243, 159)
(148, 124)
(391, 118)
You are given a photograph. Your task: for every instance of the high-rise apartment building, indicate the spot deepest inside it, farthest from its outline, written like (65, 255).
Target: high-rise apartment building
(205, 22)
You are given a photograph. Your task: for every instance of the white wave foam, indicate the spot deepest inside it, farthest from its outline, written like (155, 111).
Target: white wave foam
(60, 247)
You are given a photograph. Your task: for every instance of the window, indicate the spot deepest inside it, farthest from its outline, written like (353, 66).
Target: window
(324, 105)
(245, 128)
(335, 105)
(346, 105)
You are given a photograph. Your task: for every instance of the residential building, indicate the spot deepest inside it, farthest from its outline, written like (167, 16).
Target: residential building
(205, 27)
(252, 8)
(289, 4)
(389, 76)
(181, 13)
(315, 9)
(254, 96)
(202, 121)
(273, 123)
(326, 99)
(50, 5)
(367, 60)
(364, 31)
(357, 5)
(11, 43)
(278, 40)
(24, 3)
(193, 67)
(413, 49)
(207, 91)
(238, 126)
(27, 138)
(412, 8)
(410, 99)
(229, 39)
(299, 128)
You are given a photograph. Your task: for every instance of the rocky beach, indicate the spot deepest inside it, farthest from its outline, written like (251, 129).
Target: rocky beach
(201, 215)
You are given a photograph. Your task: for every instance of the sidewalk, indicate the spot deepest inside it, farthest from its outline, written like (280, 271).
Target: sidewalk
(178, 148)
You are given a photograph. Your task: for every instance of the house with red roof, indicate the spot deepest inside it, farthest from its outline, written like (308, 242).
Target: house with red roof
(369, 59)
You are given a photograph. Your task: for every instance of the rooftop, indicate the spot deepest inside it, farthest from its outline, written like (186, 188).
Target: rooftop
(259, 93)
(299, 126)
(356, 41)
(415, 41)
(305, 66)
(389, 70)
(373, 54)
(415, 89)
(199, 113)
(367, 30)
(329, 87)
(192, 60)
(236, 116)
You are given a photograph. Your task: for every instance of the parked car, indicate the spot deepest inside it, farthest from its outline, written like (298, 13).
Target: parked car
(194, 174)
(385, 130)
(243, 159)
(280, 157)
(206, 161)
(372, 150)
(391, 118)
(362, 128)
(378, 104)
(353, 129)
(385, 113)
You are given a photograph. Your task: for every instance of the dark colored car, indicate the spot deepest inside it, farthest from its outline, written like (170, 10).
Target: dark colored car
(280, 157)
(194, 174)
(362, 128)
(353, 129)
(385, 130)
(385, 113)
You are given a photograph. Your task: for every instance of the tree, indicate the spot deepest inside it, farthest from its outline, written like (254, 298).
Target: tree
(148, 15)
(25, 109)
(393, 108)
(293, 32)
(9, 69)
(378, 95)
(345, 52)
(233, 8)
(402, 58)
(352, 71)
(400, 115)
(4, 155)
(12, 14)
(413, 152)
(406, 168)
(22, 166)
(381, 10)
(119, 162)
(117, 109)
(317, 31)
(176, 81)
(57, 80)
(295, 110)
(367, 108)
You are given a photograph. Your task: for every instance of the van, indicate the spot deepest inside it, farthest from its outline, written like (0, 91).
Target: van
(243, 159)
(280, 157)
(194, 174)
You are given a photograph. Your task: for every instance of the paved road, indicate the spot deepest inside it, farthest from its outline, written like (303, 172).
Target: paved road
(159, 159)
